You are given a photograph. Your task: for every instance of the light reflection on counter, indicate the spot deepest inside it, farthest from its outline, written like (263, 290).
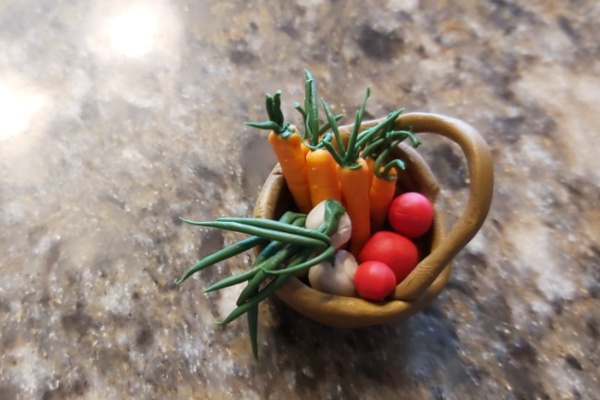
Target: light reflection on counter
(132, 33)
(16, 111)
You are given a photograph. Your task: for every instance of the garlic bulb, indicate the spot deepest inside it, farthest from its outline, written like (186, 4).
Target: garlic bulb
(344, 230)
(337, 279)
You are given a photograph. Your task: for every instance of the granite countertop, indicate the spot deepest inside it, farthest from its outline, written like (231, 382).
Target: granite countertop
(115, 120)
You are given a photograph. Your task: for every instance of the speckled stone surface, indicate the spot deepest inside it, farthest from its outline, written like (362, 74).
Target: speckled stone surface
(117, 118)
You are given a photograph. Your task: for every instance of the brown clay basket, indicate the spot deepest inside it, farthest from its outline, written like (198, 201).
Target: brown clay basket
(428, 279)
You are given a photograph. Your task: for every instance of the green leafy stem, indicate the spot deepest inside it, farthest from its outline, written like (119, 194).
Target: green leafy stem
(287, 243)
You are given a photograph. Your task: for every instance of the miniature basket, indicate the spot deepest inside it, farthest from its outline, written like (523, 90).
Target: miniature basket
(430, 276)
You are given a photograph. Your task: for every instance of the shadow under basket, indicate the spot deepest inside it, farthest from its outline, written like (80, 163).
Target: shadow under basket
(437, 247)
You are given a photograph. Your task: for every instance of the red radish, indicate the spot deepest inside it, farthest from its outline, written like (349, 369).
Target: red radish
(411, 214)
(374, 280)
(392, 249)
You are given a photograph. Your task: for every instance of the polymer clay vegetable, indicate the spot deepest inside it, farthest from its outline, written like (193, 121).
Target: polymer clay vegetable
(353, 175)
(323, 183)
(411, 214)
(371, 167)
(289, 149)
(374, 280)
(288, 243)
(381, 196)
(321, 167)
(335, 279)
(342, 234)
(392, 249)
(383, 186)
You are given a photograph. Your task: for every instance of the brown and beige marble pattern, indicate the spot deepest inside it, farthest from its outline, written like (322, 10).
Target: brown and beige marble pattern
(118, 117)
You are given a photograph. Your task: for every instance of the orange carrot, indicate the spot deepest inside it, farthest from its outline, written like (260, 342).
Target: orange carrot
(321, 167)
(322, 177)
(380, 197)
(293, 165)
(289, 148)
(354, 176)
(355, 187)
(305, 149)
(371, 166)
(384, 182)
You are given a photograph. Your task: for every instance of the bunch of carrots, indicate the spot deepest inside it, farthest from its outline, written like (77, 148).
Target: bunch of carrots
(320, 165)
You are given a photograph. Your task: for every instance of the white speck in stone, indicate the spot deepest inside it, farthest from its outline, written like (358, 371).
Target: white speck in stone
(15, 307)
(531, 149)
(43, 245)
(478, 245)
(31, 369)
(250, 395)
(402, 5)
(116, 299)
(290, 377)
(534, 245)
(13, 213)
(564, 383)
(498, 346)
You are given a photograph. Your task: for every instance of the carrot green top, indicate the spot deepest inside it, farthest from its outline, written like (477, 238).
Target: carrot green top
(276, 122)
(347, 156)
(310, 113)
(376, 142)
(380, 148)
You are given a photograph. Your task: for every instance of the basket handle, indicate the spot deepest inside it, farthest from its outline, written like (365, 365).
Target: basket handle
(481, 186)
(481, 173)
